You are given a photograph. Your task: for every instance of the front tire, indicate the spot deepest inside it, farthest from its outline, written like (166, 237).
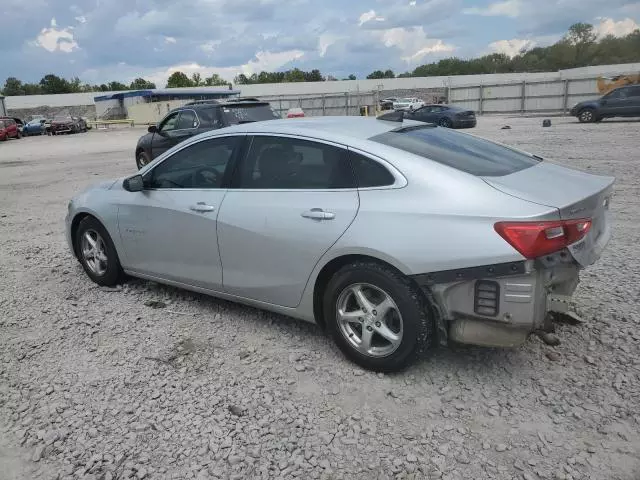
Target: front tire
(96, 253)
(377, 317)
(142, 159)
(445, 122)
(588, 115)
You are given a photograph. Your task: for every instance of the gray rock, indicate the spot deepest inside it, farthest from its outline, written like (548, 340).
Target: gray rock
(550, 339)
(37, 453)
(411, 458)
(553, 356)
(501, 447)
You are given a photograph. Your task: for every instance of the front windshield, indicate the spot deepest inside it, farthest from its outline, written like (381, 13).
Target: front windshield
(62, 119)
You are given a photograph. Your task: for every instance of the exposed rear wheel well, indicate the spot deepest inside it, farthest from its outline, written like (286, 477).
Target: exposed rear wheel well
(328, 271)
(138, 150)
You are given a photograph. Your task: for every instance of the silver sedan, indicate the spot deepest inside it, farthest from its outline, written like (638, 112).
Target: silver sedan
(392, 235)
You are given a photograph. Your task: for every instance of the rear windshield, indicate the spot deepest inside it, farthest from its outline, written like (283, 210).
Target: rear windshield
(249, 113)
(463, 152)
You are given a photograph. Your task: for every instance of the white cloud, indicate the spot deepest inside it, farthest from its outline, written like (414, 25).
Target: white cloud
(209, 47)
(54, 39)
(510, 47)
(508, 8)
(413, 3)
(169, 40)
(621, 28)
(368, 16)
(325, 41)
(413, 43)
(263, 61)
(81, 19)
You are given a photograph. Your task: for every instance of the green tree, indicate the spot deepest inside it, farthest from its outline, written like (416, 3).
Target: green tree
(352, 77)
(378, 74)
(178, 80)
(113, 86)
(196, 80)
(52, 84)
(142, 84)
(13, 87)
(215, 81)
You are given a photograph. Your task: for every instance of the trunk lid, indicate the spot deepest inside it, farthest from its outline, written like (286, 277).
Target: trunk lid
(574, 193)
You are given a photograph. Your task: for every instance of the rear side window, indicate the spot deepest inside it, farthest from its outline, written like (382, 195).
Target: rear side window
(463, 152)
(248, 113)
(370, 173)
(292, 164)
(634, 91)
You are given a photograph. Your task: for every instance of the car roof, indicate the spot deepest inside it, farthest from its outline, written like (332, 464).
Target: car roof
(333, 128)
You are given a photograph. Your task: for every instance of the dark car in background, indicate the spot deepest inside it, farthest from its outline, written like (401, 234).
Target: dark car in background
(448, 116)
(621, 102)
(197, 117)
(9, 128)
(67, 124)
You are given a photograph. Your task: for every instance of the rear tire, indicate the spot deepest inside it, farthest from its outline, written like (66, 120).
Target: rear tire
(588, 115)
(396, 315)
(96, 253)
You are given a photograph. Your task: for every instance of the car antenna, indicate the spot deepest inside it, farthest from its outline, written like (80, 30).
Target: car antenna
(392, 116)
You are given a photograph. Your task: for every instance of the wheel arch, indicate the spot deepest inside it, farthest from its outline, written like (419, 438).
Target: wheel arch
(75, 224)
(332, 266)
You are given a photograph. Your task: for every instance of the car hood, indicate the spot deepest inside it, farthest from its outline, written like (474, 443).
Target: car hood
(145, 139)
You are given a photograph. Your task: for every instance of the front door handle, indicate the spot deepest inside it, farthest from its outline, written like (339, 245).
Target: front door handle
(202, 207)
(318, 214)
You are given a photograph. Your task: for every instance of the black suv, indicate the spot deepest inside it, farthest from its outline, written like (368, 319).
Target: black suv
(197, 117)
(621, 102)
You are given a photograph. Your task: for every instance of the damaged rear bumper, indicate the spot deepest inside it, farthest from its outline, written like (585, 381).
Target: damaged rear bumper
(500, 305)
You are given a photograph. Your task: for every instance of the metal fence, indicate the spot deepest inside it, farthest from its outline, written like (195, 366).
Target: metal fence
(347, 103)
(555, 96)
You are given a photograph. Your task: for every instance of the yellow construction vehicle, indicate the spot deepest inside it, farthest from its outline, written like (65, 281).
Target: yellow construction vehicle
(606, 84)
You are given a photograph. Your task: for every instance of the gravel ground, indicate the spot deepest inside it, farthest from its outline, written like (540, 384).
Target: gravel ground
(98, 384)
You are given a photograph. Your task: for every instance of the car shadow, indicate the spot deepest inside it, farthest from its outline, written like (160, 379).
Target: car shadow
(466, 358)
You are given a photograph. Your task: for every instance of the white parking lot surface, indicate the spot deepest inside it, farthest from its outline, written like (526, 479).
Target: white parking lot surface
(94, 384)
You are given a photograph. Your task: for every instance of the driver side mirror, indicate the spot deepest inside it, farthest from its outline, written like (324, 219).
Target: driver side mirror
(133, 184)
(152, 129)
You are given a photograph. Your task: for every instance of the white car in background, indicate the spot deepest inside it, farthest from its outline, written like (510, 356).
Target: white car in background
(408, 104)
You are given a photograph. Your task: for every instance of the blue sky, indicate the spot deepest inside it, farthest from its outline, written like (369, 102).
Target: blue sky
(102, 40)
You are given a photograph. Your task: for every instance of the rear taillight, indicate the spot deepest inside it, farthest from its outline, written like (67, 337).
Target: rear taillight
(535, 239)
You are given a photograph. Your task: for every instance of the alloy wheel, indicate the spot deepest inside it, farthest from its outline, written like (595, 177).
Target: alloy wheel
(94, 252)
(586, 116)
(369, 320)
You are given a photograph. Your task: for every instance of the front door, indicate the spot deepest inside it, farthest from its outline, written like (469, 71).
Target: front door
(615, 104)
(174, 129)
(291, 199)
(169, 229)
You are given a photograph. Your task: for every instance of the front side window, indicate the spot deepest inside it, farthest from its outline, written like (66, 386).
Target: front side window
(457, 150)
(617, 94)
(634, 92)
(170, 122)
(292, 164)
(187, 120)
(200, 165)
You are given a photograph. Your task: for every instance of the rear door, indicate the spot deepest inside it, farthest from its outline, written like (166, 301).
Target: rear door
(291, 199)
(634, 101)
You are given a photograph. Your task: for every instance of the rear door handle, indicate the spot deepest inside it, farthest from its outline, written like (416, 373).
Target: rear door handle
(318, 214)
(202, 207)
